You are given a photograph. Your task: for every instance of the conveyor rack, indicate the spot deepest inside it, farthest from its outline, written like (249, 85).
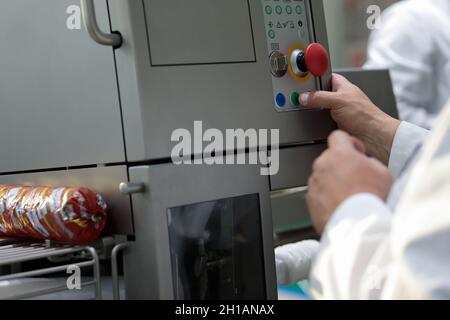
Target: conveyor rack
(12, 252)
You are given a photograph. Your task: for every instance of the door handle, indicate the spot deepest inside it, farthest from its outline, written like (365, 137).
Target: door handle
(128, 188)
(91, 24)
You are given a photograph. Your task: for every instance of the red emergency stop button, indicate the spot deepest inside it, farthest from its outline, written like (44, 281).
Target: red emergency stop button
(316, 59)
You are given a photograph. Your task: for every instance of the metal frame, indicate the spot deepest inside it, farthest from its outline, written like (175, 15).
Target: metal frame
(114, 269)
(11, 253)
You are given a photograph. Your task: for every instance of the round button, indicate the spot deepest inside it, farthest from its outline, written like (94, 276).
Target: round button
(278, 64)
(294, 99)
(288, 9)
(280, 100)
(278, 10)
(268, 9)
(297, 63)
(271, 34)
(298, 9)
(316, 59)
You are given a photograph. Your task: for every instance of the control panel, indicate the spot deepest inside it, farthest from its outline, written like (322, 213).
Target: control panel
(296, 62)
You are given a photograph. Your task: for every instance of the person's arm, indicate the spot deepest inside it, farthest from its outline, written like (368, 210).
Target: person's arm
(407, 142)
(387, 139)
(355, 233)
(368, 252)
(409, 56)
(356, 114)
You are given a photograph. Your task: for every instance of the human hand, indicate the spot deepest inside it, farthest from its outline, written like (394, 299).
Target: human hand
(356, 114)
(341, 172)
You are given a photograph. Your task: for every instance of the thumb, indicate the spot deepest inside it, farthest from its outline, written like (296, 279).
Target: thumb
(325, 99)
(344, 140)
(319, 99)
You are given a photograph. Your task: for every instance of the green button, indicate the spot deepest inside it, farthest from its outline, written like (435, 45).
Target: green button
(268, 9)
(294, 99)
(271, 34)
(278, 10)
(298, 9)
(288, 9)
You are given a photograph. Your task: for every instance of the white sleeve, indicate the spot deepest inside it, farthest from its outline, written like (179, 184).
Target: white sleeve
(351, 239)
(293, 261)
(403, 44)
(408, 141)
(368, 253)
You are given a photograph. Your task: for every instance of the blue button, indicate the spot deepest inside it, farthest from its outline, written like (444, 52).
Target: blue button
(281, 100)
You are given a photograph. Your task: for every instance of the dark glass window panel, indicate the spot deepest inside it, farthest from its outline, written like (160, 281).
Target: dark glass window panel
(217, 250)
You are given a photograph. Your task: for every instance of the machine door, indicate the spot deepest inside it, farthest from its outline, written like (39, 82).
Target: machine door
(59, 98)
(202, 232)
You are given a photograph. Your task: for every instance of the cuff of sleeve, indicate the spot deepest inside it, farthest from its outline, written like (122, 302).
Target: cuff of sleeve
(356, 208)
(407, 139)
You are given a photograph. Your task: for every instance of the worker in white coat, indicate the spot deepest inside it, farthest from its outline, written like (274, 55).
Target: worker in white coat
(294, 261)
(421, 83)
(370, 249)
(413, 42)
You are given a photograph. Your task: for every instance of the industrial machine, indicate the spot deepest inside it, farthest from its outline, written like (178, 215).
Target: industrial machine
(97, 107)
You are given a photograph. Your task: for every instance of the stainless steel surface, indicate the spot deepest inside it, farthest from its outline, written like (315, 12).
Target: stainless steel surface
(290, 211)
(127, 188)
(321, 36)
(296, 166)
(171, 186)
(90, 22)
(97, 275)
(42, 272)
(104, 180)
(25, 252)
(114, 269)
(46, 291)
(200, 32)
(158, 99)
(60, 101)
(22, 253)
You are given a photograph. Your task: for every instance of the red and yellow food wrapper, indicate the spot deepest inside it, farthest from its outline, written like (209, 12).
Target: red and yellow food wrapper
(69, 215)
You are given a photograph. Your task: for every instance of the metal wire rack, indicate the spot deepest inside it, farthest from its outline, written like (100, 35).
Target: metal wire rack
(13, 252)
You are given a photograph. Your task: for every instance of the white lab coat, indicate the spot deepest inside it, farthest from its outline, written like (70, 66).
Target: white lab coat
(369, 251)
(294, 261)
(414, 43)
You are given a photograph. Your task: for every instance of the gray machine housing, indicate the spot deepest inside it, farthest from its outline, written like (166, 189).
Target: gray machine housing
(77, 113)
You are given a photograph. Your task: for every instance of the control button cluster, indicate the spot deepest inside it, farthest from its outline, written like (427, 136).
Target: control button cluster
(279, 9)
(293, 61)
(281, 100)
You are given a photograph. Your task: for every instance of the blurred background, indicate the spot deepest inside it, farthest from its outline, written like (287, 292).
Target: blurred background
(348, 44)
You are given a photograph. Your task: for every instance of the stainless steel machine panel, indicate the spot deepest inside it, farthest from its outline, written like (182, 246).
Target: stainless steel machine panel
(104, 180)
(195, 227)
(58, 90)
(289, 28)
(207, 31)
(296, 166)
(290, 211)
(159, 99)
